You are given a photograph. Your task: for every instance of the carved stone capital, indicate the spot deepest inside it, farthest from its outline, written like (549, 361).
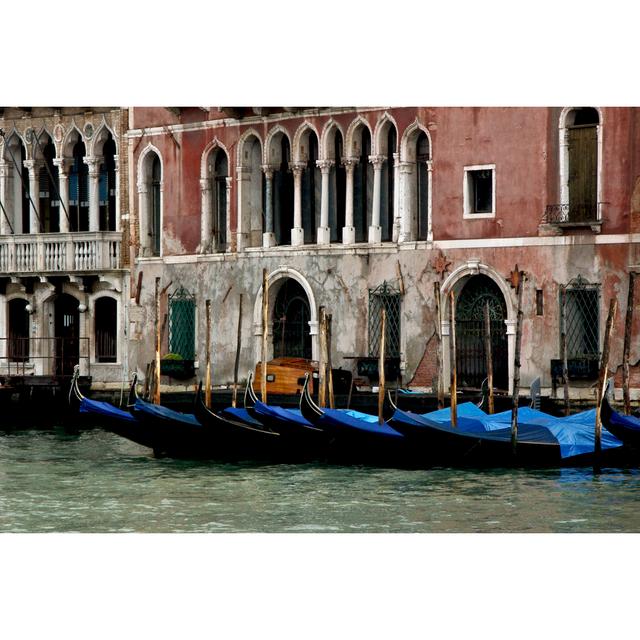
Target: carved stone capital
(349, 163)
(94, 165)
(62, 164)
(377, 161)
(324, 165)
(297, 168)
(33, 166)
(268, 170)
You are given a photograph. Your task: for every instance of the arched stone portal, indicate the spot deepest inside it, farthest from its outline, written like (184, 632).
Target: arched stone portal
(291, 294)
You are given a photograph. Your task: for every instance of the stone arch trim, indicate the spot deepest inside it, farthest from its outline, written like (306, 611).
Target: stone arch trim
(8, 138)
(385, 119)
(242, 141)
(142, 160)
(273, 133)
(413, 130)
(208, 150)
(96, 137)
(38, 147)
(281, 274)
(67, 139)
(459, 276)
(301, 131)
(327, 137)
(353, 127)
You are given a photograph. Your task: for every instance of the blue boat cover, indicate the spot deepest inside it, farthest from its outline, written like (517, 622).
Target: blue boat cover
(574, 434)
(158, 411)
(242, 415)
(280, 413)
(104, 409)
(629, 422)
(350, 419)
(465, 410)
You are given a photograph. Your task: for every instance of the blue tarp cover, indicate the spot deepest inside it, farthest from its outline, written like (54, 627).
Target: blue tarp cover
(242, 415)
(350, 419)
(158, 411)
(574, 434)
(104, 409)
(280, 413)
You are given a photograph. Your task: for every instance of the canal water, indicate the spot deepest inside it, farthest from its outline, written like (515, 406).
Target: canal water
(94, 481)
(55, 482)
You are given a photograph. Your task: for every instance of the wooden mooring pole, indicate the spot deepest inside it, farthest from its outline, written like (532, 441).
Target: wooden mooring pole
(436, 297)
(563, 347)
(332, 402)
(602, 382)
(381, 377)
(453, 386)
(322, 364)
(207, 384)
(488, 354)
(516, 367)
(628, 323)
(234, 398)
(156, 390)
(265, 337)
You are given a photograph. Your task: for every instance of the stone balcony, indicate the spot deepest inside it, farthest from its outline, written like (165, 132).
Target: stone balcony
(78, 252)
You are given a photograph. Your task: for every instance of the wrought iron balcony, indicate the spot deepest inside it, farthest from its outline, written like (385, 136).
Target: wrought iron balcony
(41, 253)
(574, 214)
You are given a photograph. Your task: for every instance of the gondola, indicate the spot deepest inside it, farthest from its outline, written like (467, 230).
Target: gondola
(358, 438)
(626, 428)
(543, 441)
(107, 416)
(289, 423)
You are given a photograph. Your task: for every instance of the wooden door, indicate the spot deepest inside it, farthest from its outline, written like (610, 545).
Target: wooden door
(67, 334)
(583, 173)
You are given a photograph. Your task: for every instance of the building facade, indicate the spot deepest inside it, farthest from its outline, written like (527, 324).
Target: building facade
(358, 209)
(63, 271)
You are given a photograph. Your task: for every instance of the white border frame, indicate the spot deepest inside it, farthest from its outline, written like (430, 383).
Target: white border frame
(466, 213)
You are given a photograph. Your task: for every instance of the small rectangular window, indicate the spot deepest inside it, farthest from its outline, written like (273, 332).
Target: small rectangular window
(539, 302)
(479, 191)
(182, 324)
(387, 298)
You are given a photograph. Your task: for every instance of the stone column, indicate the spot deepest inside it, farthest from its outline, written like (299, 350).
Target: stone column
(243, 231)
(511, 348)
(116, 171)
(94, 192)
(228, 182)
(268, 236)
(397, 194)
(408, 203)
(297, 233)
(63, 188)
(206, 242)
(324, 232)
(5, 228)
(349, 231)
(144, 230)
(34, 204)
(375, 231)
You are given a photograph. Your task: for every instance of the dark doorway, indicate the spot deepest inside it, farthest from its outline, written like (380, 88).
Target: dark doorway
(18, 350)
(67, 335)
(470, 351)
(291, 317)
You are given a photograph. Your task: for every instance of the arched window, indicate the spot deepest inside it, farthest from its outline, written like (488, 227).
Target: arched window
(311, 191)
(219, 171)
(106, 330)
(283, 195)
(252, 192)
(422, 186)
(107, 186)
(79, 189)
(48, 191)
(18, 347)
(337, 191)
(154, 213)
(387, 191)
(362, 186)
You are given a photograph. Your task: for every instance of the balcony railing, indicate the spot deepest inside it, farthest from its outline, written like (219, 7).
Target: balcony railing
(573, 214)
(56, 252)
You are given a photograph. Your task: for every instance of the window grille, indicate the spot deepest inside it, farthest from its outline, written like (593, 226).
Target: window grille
(384, 297)
(182, 323)
(582, 319)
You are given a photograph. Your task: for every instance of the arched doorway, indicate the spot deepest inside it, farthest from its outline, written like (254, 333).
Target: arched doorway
(67, 334)
(470, 351)
(291, 315)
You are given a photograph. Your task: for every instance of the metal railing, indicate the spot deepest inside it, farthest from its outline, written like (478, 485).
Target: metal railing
(43, 356)
(574, 213)
(55, 252)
